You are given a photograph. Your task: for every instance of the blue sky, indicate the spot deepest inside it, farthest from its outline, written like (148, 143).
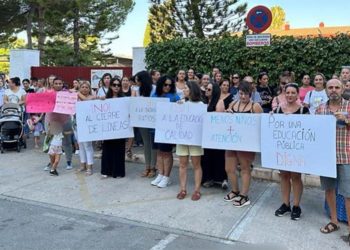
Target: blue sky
(299, 14)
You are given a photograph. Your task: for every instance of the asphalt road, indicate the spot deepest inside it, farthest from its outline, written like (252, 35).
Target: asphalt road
(33, 225)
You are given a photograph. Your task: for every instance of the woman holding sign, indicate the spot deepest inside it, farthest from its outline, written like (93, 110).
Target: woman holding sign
(213, 160)
(242, 158)
(292, 106)
(192, 93)
(144, 81)
(113, 151)
(86, 150)
(165, 88)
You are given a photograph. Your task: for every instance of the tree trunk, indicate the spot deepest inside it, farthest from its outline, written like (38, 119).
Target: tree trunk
(41, 32)
(29, 28)
(197, 27)
(76, 38)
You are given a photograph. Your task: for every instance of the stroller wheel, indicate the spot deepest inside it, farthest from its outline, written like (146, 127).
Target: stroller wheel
(24, 145)
(2, 149)
(18, 148)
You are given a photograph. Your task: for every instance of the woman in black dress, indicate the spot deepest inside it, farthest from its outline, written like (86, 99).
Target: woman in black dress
(113, 151)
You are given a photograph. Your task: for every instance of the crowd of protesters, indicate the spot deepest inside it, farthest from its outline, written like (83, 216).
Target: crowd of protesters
(234, 93)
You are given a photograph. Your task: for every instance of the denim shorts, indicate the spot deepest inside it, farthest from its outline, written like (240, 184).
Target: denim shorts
(342, 181)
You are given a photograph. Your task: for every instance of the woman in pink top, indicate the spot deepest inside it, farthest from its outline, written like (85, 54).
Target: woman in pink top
(306, 87)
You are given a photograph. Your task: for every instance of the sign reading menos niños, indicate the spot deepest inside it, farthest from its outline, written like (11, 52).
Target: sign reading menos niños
(231, 131)
(143, 111)
(298, 143)
(180, 123)
(102, 120)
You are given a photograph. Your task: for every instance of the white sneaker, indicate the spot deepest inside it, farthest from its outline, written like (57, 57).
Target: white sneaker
(48, 167)
(77, 152)
(164, 182)
(69, 167)
(156, 181)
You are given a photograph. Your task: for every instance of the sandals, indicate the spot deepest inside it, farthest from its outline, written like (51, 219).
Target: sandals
(88, 171)
(242, 201)
(146, 172)
(81, 169)
(129, 154)
(196, 196)
(181, 195)
(231, 196)
(152, 173)
(329, 228)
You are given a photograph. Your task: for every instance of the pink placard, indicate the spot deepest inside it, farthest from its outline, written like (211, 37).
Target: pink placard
(65, 102)
(40, 102)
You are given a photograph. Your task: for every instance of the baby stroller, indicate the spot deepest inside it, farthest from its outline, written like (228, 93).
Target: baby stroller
(11, 127)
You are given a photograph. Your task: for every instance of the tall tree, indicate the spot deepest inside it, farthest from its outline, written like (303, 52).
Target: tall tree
(278, 18)
(195, 18)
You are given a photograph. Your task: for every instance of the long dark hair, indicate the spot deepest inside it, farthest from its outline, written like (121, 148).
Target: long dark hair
(160, 84)
(110, 91)
(195, 91)
(146, 82)
(215, 97)
(103, 77)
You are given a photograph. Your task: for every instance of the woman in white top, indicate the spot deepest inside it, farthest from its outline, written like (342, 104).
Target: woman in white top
(106, 82)
(318, 96)
(180, 83)
(15, 94)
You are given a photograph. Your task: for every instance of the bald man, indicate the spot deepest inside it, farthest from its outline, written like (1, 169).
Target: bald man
(340, 108)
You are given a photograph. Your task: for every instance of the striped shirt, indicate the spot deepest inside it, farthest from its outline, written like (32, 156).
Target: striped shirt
(342, 133)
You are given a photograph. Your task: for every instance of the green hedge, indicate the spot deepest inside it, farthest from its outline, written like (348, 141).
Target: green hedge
(302, 55)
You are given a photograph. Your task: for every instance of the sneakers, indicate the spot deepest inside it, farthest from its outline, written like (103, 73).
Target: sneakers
(69, 167)
(77, 151)
(164, 182)
(53, 172)
(296, 213)
(224, 185)
(284, 209)
(48, 167)
(156, 181)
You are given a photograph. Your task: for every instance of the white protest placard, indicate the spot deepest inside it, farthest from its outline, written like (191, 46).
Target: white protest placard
(102, 120)
(231, 131)
(143, 111)
(180, 123)
(65, 102)
(299, 143)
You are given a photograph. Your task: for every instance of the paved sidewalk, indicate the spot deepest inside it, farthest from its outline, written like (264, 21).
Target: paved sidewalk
(133, 198)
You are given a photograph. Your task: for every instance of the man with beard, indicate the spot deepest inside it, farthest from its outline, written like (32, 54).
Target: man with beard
(340, 108)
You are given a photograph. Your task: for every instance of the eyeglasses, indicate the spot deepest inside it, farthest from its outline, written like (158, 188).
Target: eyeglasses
(116, 85)
(283, 83)
(167, 85)
(235, 77)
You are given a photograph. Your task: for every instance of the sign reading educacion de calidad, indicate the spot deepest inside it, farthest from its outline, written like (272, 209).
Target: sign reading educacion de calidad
(258, 20)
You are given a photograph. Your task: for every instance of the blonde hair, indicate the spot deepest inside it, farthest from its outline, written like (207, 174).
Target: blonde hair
(85, 83)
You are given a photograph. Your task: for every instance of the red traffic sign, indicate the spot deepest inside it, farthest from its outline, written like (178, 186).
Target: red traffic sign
(259, 19)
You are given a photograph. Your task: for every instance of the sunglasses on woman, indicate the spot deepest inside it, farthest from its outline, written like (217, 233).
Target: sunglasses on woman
(116, 85)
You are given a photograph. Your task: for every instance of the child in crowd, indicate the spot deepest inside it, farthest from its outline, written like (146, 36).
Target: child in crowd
(55, 149)
(36, 127)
